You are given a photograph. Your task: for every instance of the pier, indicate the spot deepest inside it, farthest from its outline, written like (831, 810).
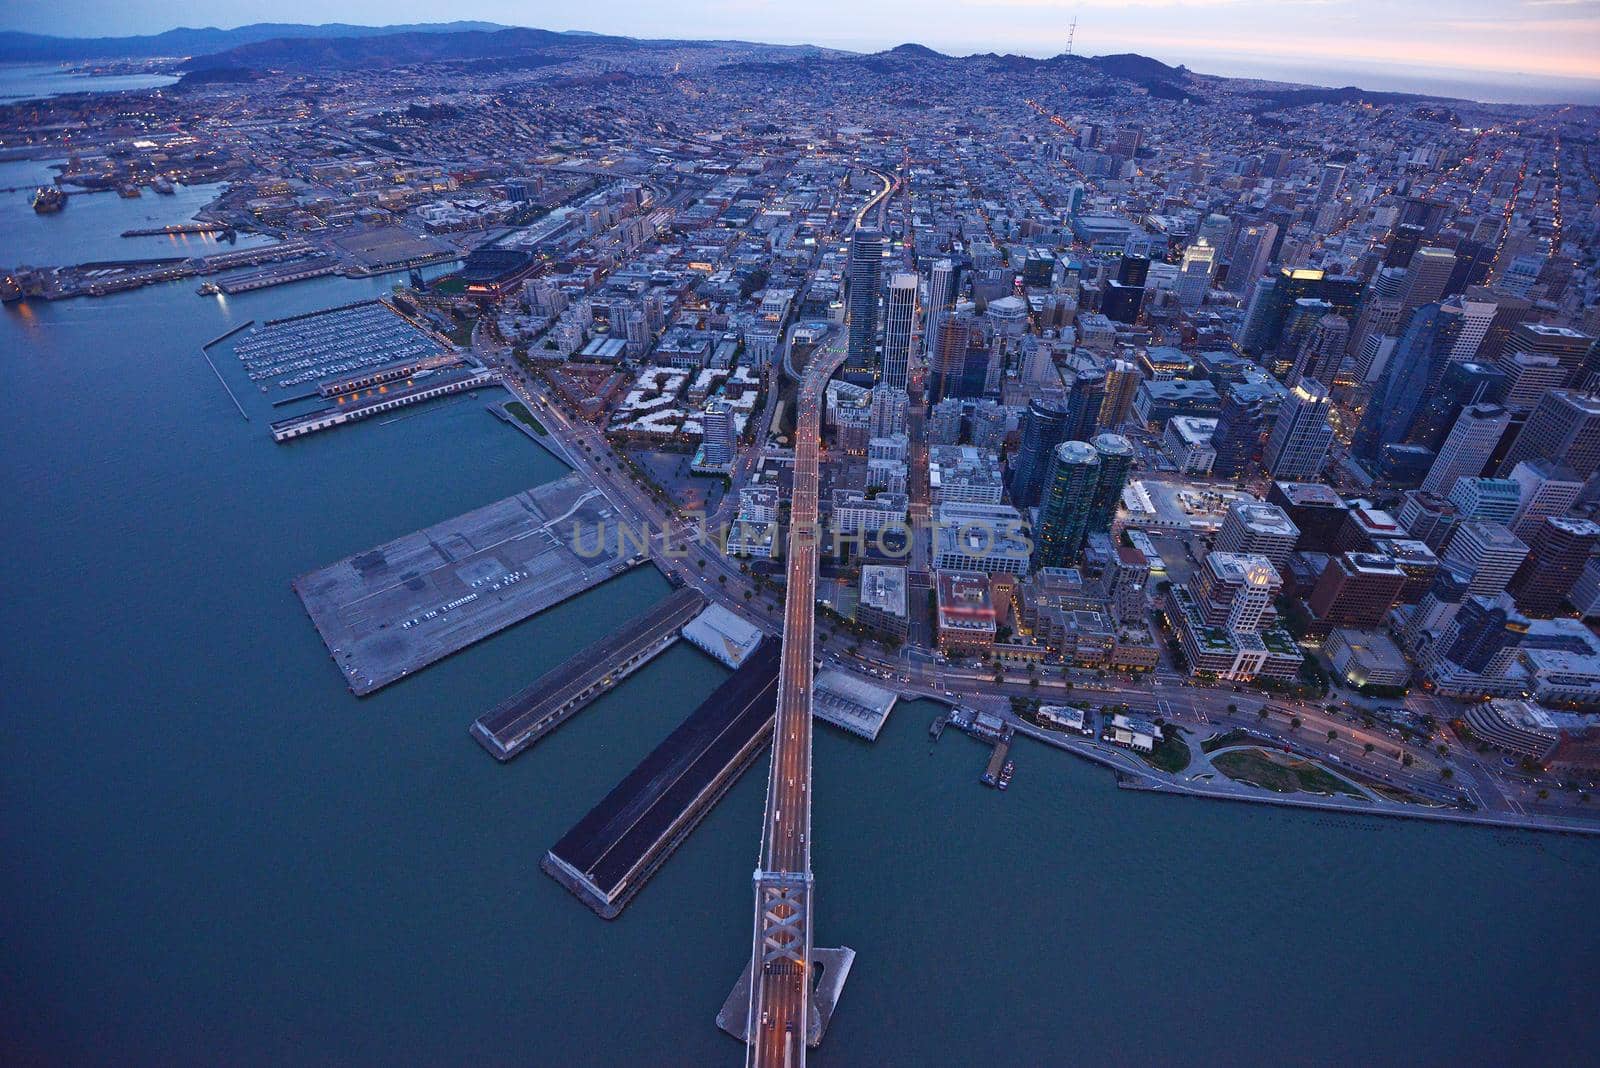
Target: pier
(997, 758)
(355, 408)
(557, 695)
(178, 228)
(334, 387)
(395, 609)
(220, 338)
(610, 853)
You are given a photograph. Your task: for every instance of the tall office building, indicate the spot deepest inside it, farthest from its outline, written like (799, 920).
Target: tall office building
(1545, 488)
(1467, 449)
(1428, 517)
(1331, 182)
(1246, 414)
(1556, 558)
(1194, 274)
(1568, 348)
(1491, 499)
(1487, 552)
(954, 336)
(1043, 428)
(1356, 590)
(1121, 302)
(1407, 380)
(1260, 529)
(1564, 424)
(1476, 318)
(898, 326)
(1482, 639)
(943, 282)
(1068, 496)
(1116, 463)
(1252, 252)
(1429, 273)
(1321, 352)
(1300, 438)
(864, 277)
(1463, 384)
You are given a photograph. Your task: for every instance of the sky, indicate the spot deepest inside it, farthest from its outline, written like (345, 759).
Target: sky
(1497, 42)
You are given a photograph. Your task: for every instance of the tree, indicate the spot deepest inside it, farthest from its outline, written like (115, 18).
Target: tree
(1447, 773)
(1369, 747)
(1232, 707)
(1294, 722)
(1261, 713)
(1406, 759)
(1332, 735)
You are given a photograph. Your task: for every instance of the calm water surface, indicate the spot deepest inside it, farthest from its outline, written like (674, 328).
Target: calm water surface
(215, 854)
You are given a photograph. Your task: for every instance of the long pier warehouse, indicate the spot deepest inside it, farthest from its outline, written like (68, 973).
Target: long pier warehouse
(610, 853)
(523, 718)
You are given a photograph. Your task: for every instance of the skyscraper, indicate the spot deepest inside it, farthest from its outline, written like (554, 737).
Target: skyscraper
(1194, 274)
(718, 430)
(863, 279)
(1261, 529)
(954, 333)
(1331, 182)
(1545, 488)
(1463, 384)
(1322, 351)
(1487, 552)
(1252, 251)
(1430, 270)
(1564, 424)
(1068, 496)
(1556, 558)
(889, 408)
(1043, 428)
(1467, 449)
(898, 325)
(1300, 438)
(1084, 403)
(1247, 412)
(942, 284)
(1407, 381)
(1116, 462)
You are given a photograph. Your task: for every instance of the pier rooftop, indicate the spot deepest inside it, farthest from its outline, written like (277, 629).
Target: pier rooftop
(609, 854)
(851, 703)
(399, 607)
(724, 635)
(528, 715)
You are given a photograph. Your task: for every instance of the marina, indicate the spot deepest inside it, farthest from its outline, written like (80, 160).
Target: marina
(303, 349)
(557, 695)
(395, 609)
(607, 857)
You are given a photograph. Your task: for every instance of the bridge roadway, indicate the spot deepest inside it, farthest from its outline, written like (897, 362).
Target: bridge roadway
(780, 987)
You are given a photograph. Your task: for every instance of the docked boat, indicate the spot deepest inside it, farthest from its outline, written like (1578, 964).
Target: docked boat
(10, 290)
(1005, 775)
(162, 186)
(47, 200)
